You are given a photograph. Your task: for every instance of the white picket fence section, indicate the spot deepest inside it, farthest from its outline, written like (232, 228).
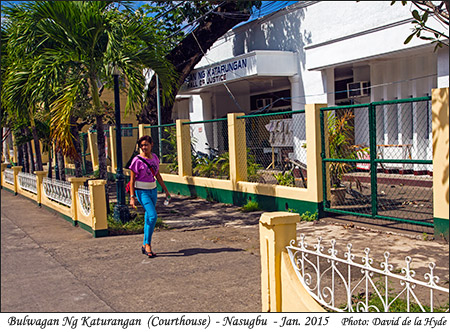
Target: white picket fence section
(9, 176)
(353, 287)
(28, 182)
(57, 190)
(84, 197)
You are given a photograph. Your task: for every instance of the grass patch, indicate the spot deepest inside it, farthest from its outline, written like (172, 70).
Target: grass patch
(307, 216)
(134, 226)
(250, 206)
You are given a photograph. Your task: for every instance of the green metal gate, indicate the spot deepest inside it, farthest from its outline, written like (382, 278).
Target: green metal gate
(377, 160)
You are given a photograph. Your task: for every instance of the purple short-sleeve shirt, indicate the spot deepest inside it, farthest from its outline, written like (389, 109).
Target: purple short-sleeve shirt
(141, 170)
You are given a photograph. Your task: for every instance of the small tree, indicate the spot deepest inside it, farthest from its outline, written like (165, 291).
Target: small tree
(422, 29)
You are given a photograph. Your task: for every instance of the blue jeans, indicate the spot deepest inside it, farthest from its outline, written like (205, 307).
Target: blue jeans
(147, 198)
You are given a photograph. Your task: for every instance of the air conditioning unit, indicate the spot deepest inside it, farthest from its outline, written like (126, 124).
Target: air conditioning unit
(358, 89)
(263, 102)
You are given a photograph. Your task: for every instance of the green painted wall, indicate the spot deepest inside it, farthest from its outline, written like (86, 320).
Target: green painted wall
(267, 203)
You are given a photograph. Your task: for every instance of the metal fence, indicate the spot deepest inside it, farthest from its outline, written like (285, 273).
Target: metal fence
(342, 284)
(276, 148)
(209, 146)
(394, 182)
(165, 144)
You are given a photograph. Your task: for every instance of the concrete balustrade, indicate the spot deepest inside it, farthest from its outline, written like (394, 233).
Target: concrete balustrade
(95, 223)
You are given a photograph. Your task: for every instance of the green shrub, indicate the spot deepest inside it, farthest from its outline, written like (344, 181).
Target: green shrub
(285, 179)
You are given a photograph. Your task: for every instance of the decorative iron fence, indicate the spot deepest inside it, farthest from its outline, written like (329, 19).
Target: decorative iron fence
(57, 190)
(276, 145)
(84, 196)
(28, 182)
(343, 285)
(9, 176)
(377, 160)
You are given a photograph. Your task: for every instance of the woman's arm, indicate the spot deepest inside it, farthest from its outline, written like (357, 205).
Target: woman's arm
(163, 185)
(132, 194)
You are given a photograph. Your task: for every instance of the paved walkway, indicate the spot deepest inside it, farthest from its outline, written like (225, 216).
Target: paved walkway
(208, 261)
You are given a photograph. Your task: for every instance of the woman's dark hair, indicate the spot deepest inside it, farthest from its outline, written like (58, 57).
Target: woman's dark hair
(144, 138)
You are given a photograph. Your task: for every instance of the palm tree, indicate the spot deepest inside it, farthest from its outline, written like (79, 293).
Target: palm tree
(74, 43)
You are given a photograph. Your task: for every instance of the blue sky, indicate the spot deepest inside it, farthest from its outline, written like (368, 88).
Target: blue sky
(267, 7)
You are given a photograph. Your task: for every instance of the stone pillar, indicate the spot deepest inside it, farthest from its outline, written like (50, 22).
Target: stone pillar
(237, 148)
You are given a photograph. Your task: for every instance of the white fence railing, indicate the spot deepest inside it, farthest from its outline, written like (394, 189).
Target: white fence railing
(59, 191)
(28, 182)
(84, 197)
(343, 285)
(9, 176)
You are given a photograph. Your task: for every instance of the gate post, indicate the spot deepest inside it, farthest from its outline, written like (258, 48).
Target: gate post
(237, 148)
(313, 153)
(440, 130)
(276, 230)
(184, 148)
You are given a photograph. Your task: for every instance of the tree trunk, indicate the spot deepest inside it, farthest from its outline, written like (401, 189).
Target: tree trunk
(23, 158)
(188, 53)
(31, 157)
(61, 165)
(37, 149)
(77, 145)
(101, 148)
(50, 162)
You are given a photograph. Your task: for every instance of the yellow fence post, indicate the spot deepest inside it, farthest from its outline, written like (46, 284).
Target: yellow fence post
(184, 148)
(237, 148)
(313, 142)
(4, 166)
(440, 130)
(112, 149)
(144, 131)
(39, 179)
(16, 170)
(98, 207)
(92, 140)
(276, 230)
(75, 185)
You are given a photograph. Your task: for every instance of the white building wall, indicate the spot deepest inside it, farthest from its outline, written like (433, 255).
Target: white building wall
(366, 36)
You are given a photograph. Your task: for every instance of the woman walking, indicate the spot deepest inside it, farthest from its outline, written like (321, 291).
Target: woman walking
(144, 173)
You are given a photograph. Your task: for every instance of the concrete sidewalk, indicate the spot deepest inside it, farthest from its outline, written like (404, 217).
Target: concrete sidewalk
(207, 262)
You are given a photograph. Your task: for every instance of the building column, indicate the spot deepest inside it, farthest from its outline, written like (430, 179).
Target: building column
(442, 68)
(298, 120)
